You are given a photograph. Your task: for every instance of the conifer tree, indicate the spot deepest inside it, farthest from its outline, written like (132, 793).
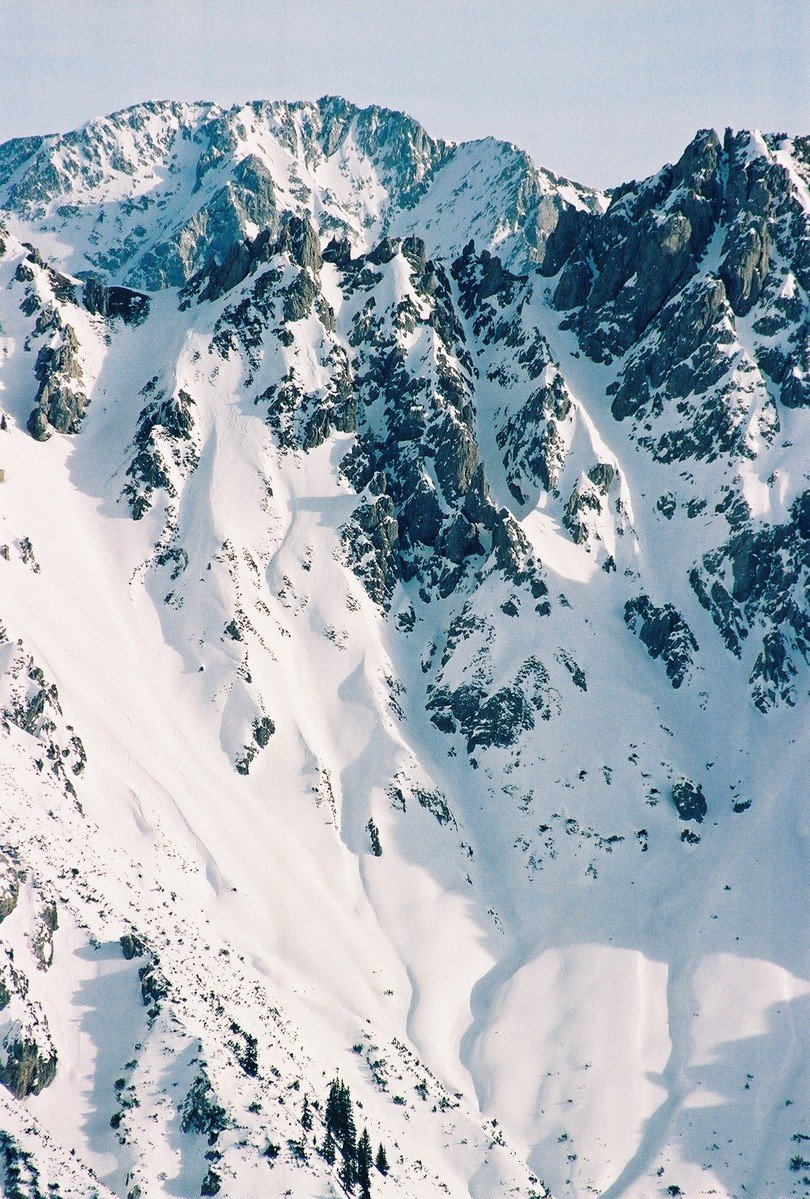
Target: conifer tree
(331, 1115)
(328, 1148)
(364, 1165)
(341, 1132)
(347, 1122)
(349, 1144)
(338, 1115)
(382, 1161)
(346, 1174)
(306, 1115)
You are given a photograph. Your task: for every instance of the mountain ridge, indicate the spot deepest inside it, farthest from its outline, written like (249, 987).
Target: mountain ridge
(415, 489)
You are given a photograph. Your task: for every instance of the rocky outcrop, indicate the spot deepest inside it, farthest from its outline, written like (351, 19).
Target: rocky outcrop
(628, 263)
(638, 280)
(371, 544)
(132, 307)
(263, 730)
(588, 500)
(489, 717)
(746, 255)
(219, 232)
(132, 946)
(30, 701)
(9, 886)
(201, 1111)
(165, 449)
(426, 508)
(27, 1056)
(689, 800)
(760, 580)
(46, 922)
(665, 633)
(534, 440)
(60, 400)
(154, 985)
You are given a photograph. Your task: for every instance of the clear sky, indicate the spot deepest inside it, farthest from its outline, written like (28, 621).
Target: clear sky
(599, 90)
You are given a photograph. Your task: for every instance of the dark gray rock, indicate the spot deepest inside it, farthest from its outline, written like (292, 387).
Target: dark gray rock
(460, 540)
(300, 297)
(154, 984)
(744, 265)
(532, 442)
(759, 582)
(629, 262)
(481, 277)
(263, 729)
(214, 235)
(29, 1065)
(371, 543)
(164, 438)
(201, 1112)
(9, 886)
(132, 946)
(689, 800)
(211, 1183)
(298, 239)
(38, 426)
(60, 400)
(132, 307)
(580, 503)
(665, 634)
(795, 373)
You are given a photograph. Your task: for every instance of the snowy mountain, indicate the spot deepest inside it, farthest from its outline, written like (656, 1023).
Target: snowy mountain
(404, 647)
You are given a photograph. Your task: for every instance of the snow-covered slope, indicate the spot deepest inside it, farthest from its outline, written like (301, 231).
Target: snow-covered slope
(403, 662)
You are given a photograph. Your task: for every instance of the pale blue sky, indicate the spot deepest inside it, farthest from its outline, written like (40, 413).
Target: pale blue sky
(600, 90)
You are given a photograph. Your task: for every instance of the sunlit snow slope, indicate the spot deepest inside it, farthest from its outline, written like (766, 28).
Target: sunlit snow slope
(404, 639)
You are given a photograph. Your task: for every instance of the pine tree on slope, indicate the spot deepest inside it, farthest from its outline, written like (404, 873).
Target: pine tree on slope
(382, 1160)
(364, 1165)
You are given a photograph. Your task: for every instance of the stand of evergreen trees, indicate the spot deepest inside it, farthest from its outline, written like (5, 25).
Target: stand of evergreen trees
(341, 1140)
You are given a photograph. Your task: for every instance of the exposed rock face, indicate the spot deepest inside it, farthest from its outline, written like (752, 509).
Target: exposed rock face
(131, 306)
(415, 465)
(637, 281)
(588, 496)
(31, 703)
(164, 447)
(46, 924)
(60, 401)
(246, 201)
(690, 801)
(628, 264)
(154, 984)
(665, 634)
(263, 729)
(27, 1057)
(132, 946)
(201, 1111)
(760, 578)
(745, 264)
(9, 886)
(686, 363)
(533, 441)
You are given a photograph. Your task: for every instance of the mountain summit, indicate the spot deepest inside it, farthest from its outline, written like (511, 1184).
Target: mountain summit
(404, 640)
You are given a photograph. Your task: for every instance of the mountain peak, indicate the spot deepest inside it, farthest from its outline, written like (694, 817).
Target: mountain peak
(404, 660)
